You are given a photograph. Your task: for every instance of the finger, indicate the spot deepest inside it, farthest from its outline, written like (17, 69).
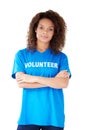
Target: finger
(20, 81)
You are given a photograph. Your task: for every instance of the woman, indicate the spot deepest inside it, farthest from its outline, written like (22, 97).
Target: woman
(42, 70)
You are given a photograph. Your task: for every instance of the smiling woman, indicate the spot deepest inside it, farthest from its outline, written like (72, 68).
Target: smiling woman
(42, 70)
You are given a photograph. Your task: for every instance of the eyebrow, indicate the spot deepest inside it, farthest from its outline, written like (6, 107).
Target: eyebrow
(43, 25)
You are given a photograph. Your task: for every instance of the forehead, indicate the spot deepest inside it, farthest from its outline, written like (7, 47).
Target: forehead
(46, 21)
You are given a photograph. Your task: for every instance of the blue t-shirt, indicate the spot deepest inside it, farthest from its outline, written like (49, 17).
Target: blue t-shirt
(41, 106)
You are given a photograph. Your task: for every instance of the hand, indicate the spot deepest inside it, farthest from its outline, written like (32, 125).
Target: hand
(63, 74)
(21, 77)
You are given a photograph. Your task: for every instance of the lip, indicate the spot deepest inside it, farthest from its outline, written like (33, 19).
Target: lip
(44, 37)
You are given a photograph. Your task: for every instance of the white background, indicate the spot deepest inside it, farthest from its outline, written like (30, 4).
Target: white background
(15, 16)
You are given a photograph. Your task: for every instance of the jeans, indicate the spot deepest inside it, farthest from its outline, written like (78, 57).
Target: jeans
(36, 127)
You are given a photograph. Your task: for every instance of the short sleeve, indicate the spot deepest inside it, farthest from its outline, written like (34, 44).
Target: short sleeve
(18, 65)
(64, 64)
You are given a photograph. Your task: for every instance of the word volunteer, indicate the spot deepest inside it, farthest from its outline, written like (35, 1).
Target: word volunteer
(41, 64)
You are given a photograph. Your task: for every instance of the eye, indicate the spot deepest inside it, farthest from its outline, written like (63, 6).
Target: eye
(51, 29)
(40, 27)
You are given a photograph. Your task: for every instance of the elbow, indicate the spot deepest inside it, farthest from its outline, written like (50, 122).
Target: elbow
(65, 84)
(61, 83)
(60, 86)
(20, 85)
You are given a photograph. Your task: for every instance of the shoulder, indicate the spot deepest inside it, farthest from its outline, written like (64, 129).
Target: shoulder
(23, 51)
(62, 55)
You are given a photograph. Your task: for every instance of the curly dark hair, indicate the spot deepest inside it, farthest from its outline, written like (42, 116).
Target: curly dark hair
(58, 40)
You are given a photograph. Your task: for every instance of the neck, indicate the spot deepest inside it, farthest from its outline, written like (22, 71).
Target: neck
(42, 46)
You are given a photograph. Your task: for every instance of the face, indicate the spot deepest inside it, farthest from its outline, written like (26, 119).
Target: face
(45, 30)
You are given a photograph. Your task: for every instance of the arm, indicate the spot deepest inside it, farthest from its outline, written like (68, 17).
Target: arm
(27, 81)
(30, 85)
(56, 82)
(61, 80)
(24, 84)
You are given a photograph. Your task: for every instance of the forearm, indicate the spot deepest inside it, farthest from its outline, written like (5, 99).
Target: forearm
(28, 81)
(30, 85)
(56, 82)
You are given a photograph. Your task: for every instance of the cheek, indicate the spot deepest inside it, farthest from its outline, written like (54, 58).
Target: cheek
(51, 36)
(38, 33)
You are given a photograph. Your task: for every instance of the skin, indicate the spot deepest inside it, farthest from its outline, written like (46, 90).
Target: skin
(44, 34)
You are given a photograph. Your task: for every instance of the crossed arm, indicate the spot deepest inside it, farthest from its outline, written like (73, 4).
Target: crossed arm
(61, 80)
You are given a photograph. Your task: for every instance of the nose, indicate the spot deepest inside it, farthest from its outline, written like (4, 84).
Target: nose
(45, 31)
